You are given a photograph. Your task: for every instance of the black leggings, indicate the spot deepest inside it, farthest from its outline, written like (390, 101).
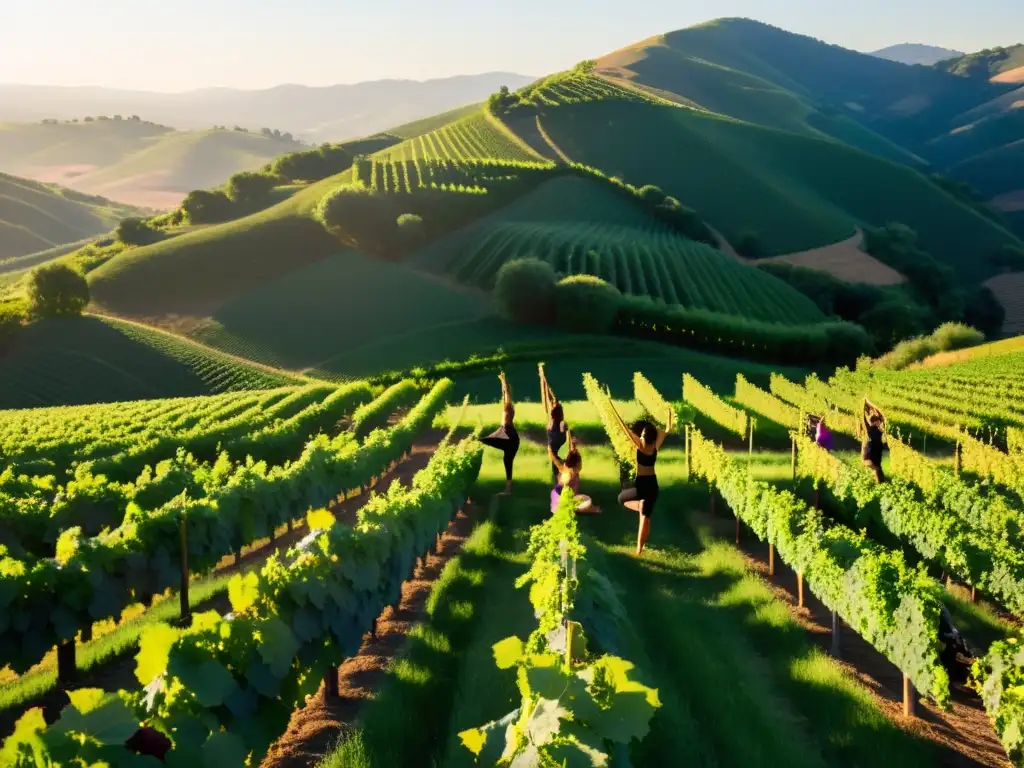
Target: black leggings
(508, 444)
(646, 490)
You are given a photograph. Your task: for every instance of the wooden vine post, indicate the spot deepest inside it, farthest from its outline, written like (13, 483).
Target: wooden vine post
(793, 438)
(186, 611)
(689, 465)
(799, 589)
(737, 529)
(958, 455)
(751, 422)
(67, 669)
(836, 649)
(909, 697)
(771, 559)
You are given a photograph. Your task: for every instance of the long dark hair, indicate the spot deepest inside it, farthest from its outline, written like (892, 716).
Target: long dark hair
(573, 459)
(557, 414)
(647, 431)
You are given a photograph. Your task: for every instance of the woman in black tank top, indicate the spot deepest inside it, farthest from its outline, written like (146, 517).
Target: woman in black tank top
(641, 498)
(506, 437)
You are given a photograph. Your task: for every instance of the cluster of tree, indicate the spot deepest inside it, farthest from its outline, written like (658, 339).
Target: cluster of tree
(273, 133)
(244, 193)
(137, 231)
(311, 164)
(982, 65)
(13, 314)
(530, 291)
(54, 289)
(891, 314)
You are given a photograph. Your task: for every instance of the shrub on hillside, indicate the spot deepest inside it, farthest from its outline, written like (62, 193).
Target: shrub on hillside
(684, 220)
(894, 319)
(749, 245)
(135, 231)
(586, 304)
(57, 289)
(935, 283)
(312, 164)
(359, 217)
(651, 194)
(410, 229)
(945, 338)
(249, 187)
(12, 316)
(525, 291)
(202, 206)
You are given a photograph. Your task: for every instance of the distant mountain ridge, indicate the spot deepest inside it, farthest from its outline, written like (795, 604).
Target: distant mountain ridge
(313, 114)
(916, 53)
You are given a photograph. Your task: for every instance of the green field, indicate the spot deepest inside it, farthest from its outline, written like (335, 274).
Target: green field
(335, 305)
(37, 217)
(133, 161)
(580, 227)
(795, 193)
(71, 361)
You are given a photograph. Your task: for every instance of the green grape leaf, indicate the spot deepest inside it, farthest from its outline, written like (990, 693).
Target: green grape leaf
(26, 738)
(102, 717)
(243, 591)
(473, 739)
(494, 741)
(263, 680)
(578, 751)
(626, 706)
(319, 520)
(546, 676)
(545, 721)
(210, 681)
(278, 646)
(508, 652)
(154, 651)
(224, 750)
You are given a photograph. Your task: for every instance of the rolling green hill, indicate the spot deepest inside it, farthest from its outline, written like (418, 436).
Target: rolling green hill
(580, 227)
(335, 305)
(37, 217)
(794, 192)
(761, 74)
(70, 361)
(131, 160)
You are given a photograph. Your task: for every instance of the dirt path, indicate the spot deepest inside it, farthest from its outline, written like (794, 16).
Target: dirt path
(845, 260)
(315, 728)
(963, 737)
(1009, 291)
(551, 143)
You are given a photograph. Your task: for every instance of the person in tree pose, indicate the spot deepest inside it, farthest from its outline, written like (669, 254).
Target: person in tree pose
(569, 475)
(874, 439)
(557, 428)
(823, 435)
(641, 498)
(505, 438)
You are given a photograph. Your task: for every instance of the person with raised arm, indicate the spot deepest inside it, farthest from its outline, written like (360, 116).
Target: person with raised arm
(505, 438)
(874, 439)
(648, 439)
(557, 426)
(569, 475)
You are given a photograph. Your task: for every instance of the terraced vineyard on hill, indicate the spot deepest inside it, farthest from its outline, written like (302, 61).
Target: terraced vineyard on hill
(581, 228)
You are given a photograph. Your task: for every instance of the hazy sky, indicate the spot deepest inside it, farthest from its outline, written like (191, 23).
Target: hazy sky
(171, 46)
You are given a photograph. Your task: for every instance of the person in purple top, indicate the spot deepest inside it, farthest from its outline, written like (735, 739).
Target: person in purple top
(823, 435)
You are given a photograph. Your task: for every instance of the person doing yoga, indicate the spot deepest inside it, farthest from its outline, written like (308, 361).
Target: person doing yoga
(874, 439)
(569, 475)
(505, 438)
(647, 439)
(557, 427)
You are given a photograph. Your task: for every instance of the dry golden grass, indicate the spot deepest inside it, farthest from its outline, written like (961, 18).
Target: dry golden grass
(845, 261)
(1010, 76)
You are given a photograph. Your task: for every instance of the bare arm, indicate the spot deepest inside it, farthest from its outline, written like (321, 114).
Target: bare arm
(663, 433)
(506, 390)
(543, 388)
(622, 424)
(554, 460)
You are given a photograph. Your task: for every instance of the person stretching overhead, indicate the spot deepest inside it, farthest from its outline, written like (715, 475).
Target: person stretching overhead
(557, 428)
(641, 498)
(823, 435)
(874, 439)
(505, 438)
(569, 475)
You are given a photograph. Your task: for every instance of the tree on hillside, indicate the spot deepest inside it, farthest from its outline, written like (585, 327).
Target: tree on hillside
(748, 244)
(57, 289)
(410, 229)
(136, 231)
(250, 187)
(204, 207)
(358, 217)
(525, 291)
